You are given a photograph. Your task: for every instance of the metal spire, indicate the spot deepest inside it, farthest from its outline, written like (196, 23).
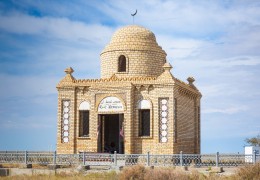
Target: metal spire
(134, 16)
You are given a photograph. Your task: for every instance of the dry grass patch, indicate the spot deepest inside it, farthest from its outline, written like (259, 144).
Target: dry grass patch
(133, 173)
(167, 174)
(139, 172)
(249, 172)
(92, 176)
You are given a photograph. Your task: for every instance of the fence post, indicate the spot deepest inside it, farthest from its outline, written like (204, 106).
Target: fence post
(54, 157)
(217, 159)
(181, 158)
(115, 158)
(25, 157)
(84, 158)
(6, 156)
(17, 156)
(148, 158)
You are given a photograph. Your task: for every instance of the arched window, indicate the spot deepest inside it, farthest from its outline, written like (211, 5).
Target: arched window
(122, 63)
(84, 108)
(144, 117)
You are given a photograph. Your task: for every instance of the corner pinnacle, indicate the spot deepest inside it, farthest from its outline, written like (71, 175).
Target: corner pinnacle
(69, 70)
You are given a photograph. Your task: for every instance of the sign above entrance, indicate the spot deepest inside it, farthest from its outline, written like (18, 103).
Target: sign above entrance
(110, 104)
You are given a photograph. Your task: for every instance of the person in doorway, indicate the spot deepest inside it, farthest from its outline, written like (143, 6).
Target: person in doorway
(112, 147)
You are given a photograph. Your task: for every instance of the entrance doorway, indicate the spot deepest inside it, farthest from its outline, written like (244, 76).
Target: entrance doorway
(110, 133)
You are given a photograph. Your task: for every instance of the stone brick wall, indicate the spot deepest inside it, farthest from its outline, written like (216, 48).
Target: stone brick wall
(152, 143)
(144, 56)
(139, 63)
(147, 77)
(67, 93)
(131, 93)
(187, 123)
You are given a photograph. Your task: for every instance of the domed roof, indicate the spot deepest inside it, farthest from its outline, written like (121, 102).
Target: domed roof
(133, 37)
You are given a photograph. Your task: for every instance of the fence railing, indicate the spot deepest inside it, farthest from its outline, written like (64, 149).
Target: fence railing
(102, 159)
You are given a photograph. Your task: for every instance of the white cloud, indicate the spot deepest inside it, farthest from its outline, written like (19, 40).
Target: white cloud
(229, 110)
(200, 18)
(19, 86)
(182, 48)
(55, 27)
(212, 90)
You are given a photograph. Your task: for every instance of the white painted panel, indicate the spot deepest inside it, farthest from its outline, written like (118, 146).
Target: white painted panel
(164, 101)
(66, 103)
(66, 110)
(164, 139)
(66, 115)
(66, 133)
(84, 106)
(249, 150)
(164, 120)
(144, 104)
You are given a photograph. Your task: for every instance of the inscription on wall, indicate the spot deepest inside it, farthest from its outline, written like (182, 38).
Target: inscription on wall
(110, 104)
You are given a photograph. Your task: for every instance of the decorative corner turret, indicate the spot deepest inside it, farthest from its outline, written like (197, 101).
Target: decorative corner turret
(68, 80)
(166, 75)
(191, 81)
(69, 70)
(167, 67)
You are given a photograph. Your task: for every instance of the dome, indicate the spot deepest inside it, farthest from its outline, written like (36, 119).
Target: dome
(133, 37)
(132, 51)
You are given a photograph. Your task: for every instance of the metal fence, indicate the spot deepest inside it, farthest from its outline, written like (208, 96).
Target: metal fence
(102, 159)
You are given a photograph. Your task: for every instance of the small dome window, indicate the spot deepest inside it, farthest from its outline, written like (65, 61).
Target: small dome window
(122, 63)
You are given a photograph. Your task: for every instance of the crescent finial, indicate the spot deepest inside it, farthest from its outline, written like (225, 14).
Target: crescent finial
(134, 13)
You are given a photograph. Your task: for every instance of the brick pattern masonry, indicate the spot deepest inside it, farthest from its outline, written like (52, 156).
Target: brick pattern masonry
(147, 77)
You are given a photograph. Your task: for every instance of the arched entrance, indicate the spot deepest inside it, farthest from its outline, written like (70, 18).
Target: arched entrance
(110, 125)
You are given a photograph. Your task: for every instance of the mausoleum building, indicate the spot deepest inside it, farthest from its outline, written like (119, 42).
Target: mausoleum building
(136, 106)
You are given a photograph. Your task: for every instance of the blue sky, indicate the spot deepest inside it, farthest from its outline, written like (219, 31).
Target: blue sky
(216, 42)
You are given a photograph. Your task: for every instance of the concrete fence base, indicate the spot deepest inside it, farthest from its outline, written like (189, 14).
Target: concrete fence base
(30, 172)
(4, 172)
(217, 169)
(53, 166)
(25, 166)
(83, 167)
